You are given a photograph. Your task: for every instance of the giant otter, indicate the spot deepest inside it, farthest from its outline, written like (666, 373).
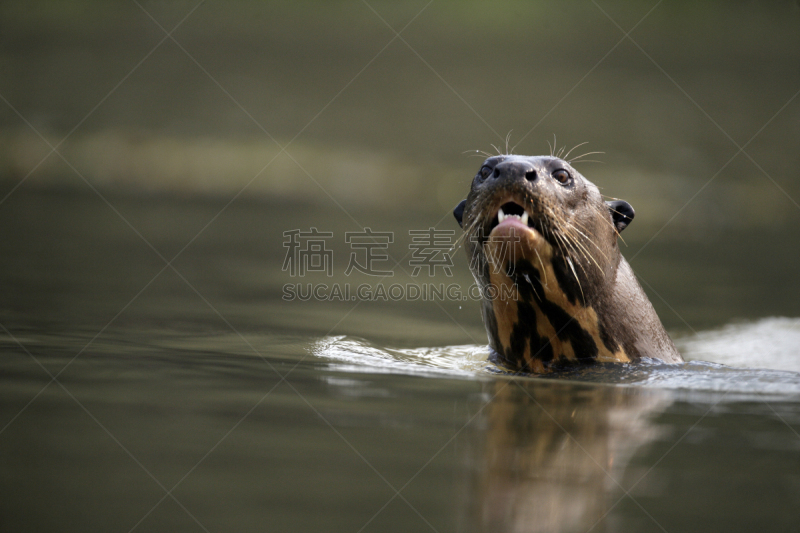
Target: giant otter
(542, 246)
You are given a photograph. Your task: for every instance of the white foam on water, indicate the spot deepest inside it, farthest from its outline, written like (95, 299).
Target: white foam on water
(352, 354)
(772, 343)
(760, 357)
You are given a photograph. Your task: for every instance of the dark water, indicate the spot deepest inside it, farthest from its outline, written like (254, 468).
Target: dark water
(141, 397)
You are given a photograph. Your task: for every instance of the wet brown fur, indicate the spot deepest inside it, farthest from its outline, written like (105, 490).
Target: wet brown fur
(574, 297)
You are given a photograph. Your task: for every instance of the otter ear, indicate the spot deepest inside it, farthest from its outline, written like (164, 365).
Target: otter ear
(621, 213)
(458, 212)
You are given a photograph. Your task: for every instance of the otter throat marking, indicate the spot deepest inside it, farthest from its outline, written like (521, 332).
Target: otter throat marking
(543, 323)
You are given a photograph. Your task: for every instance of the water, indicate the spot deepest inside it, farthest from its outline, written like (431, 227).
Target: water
(745, 358)
(137, 397)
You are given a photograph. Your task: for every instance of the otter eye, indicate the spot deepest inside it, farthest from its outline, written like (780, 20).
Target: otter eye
(484, 172)
(561, 176)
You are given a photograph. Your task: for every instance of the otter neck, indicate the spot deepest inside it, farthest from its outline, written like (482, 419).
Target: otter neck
(541, 318)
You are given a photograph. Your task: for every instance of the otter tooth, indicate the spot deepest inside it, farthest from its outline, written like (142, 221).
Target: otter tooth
(524, 218)
(500, 215)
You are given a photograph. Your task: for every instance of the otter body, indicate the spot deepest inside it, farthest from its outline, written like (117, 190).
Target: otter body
(542, 246)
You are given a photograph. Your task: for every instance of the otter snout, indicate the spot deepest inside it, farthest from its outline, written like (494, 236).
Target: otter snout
(514, 171)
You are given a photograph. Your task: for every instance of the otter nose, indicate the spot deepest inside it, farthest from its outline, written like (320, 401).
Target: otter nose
(515, 170)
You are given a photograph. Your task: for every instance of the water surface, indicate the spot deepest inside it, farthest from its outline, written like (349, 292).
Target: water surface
(139, 397)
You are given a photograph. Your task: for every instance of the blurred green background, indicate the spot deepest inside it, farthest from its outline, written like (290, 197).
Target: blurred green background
(380, 119)
(323, 104)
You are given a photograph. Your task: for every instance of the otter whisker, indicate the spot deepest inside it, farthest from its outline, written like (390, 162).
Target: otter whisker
(571, 149)
(602, 217)
(544, 270)
(573, 246)
(565, 246)
(477, 152)
(586, 252)
(583, 155)
(583, 247)
(458, 242)
(533, 288)
(576, 226)
(572, 267)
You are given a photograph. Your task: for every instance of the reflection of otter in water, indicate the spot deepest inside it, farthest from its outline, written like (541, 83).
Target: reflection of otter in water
(553, 453)
(543, 248)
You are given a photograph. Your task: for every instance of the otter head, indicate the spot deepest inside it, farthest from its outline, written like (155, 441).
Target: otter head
(542, 246)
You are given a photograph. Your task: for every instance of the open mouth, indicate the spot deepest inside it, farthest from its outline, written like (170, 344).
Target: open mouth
(511, 210)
